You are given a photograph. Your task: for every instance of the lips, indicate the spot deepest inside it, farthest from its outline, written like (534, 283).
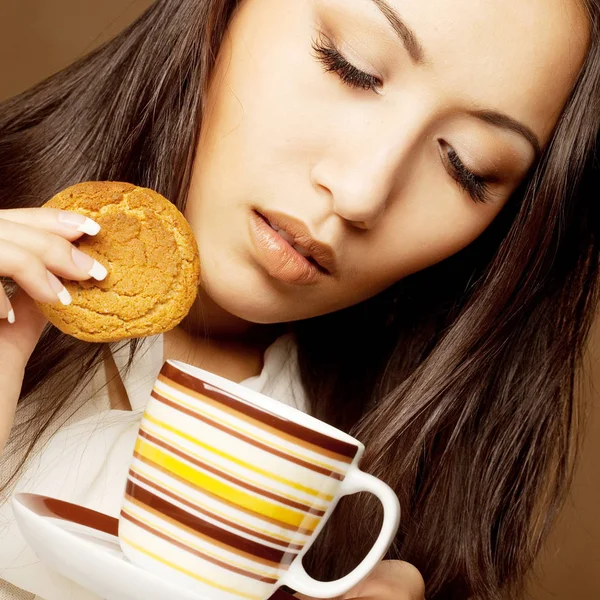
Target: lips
(286, 251)
(297, 234)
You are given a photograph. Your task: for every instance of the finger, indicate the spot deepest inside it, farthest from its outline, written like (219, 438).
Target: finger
(6, 309)
(401, 571)
(390, 580)
(66, 223)
(30, 272)
(59, 255)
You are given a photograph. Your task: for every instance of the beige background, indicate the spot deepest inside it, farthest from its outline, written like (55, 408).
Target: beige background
(38, 37)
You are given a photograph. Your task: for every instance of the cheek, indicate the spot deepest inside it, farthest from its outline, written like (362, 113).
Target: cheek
(424, 227)
(249, 127)
(269, 102)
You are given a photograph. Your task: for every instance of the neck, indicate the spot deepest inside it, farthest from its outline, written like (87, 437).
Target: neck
(217, 341)
(207, 319)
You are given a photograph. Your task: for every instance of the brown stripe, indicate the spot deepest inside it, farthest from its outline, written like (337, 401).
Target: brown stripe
(257, 423)
(59, 509)
(193, 532)
(230, 539)
(247, 530)
(247, 439)
(249, 511)
(270, 420)
(256, 490)
(195, 552)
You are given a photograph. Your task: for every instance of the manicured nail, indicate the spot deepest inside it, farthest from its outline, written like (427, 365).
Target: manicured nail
(88, 264)
(79, 221)
(60, 290)
(11, 312)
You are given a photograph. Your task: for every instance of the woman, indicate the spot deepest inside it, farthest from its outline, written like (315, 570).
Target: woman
(434, 159)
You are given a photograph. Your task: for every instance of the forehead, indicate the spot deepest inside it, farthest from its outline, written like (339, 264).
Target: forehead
(516, 56)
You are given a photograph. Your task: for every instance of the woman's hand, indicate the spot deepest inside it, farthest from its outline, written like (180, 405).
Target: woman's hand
(35, 246)
(390, 580)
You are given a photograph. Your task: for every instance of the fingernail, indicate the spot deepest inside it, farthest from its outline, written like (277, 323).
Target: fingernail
(79, 221)
(88, 264)
(60, 290)
(11, 312)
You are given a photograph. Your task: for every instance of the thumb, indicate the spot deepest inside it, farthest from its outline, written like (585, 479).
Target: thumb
(18, 340)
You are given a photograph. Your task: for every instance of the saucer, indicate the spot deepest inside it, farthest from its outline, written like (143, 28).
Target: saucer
(82, 545)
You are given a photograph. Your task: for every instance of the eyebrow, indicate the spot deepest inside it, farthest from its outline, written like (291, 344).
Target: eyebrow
(417, 54)
(505, 122)
(409, 39)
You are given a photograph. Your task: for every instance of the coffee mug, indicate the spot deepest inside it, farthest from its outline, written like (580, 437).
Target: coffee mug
(228, 489)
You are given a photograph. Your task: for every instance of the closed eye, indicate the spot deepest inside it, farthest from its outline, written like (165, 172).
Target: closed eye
(333, 61)
(475, 185)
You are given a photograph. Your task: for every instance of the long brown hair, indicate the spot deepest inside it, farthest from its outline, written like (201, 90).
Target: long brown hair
(461, 380)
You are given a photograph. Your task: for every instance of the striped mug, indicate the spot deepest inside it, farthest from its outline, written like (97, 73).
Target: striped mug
(228, 488)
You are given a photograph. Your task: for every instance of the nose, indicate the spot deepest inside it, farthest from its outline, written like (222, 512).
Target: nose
(360, 183)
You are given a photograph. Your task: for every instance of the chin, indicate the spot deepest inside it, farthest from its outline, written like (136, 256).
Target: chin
(257, 311)
(248, 298)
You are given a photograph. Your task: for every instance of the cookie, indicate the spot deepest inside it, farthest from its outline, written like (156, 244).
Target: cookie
(151, 256)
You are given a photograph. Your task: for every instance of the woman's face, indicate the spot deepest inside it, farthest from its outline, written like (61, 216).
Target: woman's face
(381, 135)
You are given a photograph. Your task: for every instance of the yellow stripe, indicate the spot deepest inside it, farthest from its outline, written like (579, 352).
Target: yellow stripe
(272, 563)
(210, 509)
(225, 491)
(241, 463)
(189, 573)
(199, 549)
(252, 435)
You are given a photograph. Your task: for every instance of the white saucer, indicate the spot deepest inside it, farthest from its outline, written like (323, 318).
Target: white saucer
(82, 545)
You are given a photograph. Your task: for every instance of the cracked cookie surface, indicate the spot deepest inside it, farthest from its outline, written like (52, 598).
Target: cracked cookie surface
(152, 259)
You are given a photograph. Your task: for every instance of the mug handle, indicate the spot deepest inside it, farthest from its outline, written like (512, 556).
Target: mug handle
(355, 481)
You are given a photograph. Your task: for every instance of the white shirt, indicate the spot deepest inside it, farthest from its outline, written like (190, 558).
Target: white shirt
(87, 459)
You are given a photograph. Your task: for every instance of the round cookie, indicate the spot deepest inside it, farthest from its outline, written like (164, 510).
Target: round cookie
(152, 259)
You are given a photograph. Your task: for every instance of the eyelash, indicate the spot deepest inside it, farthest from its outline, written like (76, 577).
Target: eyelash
(333, 61)
(475, 185)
